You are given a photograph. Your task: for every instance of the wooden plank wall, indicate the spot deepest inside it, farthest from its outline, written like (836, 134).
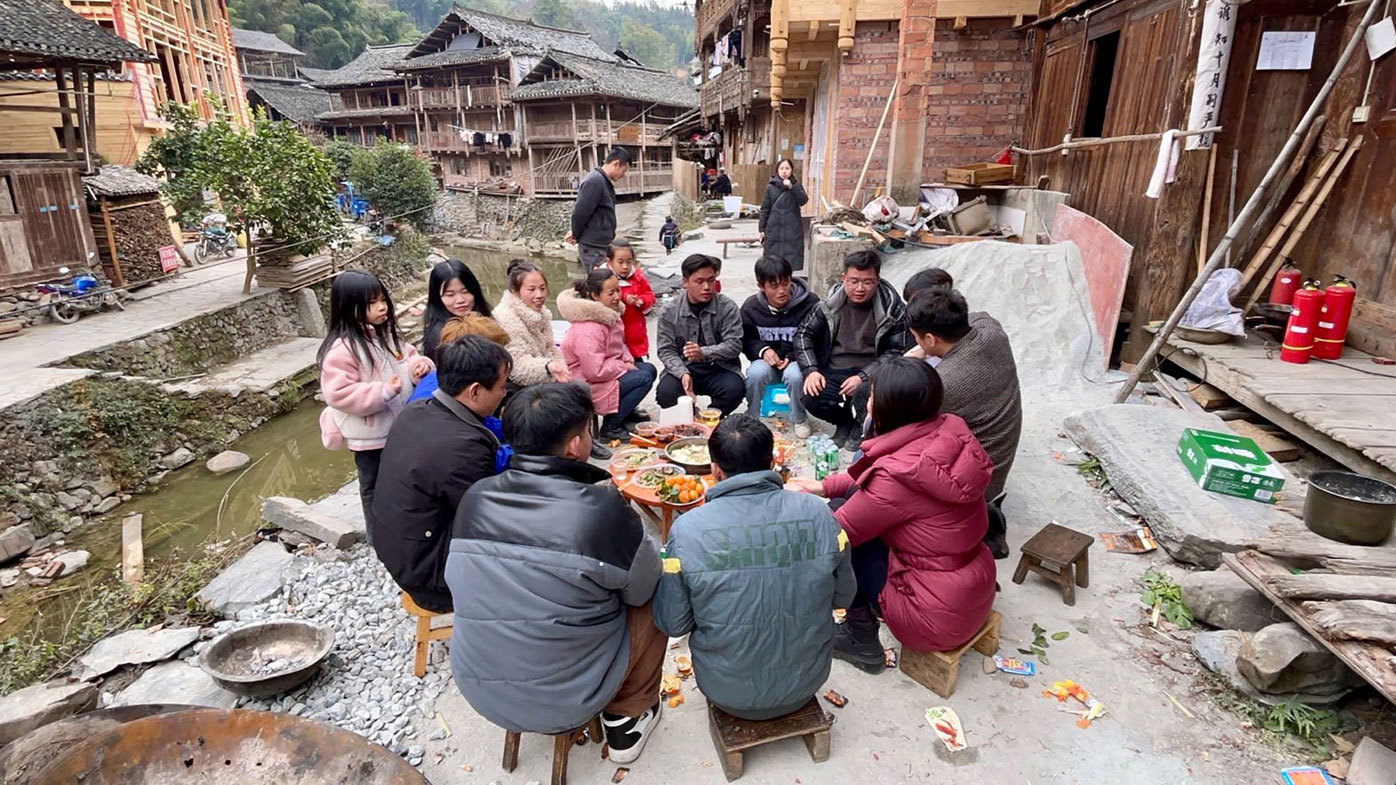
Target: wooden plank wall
(120, 138)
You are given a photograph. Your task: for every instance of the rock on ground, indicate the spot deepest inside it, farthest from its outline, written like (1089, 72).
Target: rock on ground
(1137, 445)
(16, 541)
(227, 461)
(249, 580)
(72, 561)
(39, 704)
(178, 458)
(297, 516)
(1220, 598)
(135, 647)
(176, 682)
(1372, 764)
(1282, 659)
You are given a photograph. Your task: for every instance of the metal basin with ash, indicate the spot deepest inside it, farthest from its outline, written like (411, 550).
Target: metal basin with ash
(267, 658)
(229, 747)
(1351, 508)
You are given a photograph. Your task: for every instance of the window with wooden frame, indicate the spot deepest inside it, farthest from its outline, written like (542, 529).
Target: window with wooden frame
(1101, 55)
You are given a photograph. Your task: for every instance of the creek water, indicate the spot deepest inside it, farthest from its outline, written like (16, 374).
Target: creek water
(490, 267)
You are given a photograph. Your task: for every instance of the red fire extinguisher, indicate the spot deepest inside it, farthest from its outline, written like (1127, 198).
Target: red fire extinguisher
(1287, 282)
(1333, 318)
(1303, 320)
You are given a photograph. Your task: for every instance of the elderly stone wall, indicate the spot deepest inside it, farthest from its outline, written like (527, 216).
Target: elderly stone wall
(493, 217)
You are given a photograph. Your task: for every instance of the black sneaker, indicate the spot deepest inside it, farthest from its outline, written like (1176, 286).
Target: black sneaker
(854, 439)
(638, 416)
(626, 736)
(600, 451)
(841, 434)
(614, 433)
(865, 655)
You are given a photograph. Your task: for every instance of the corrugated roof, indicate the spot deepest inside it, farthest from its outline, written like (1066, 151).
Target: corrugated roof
(298, 103)
(484, 54)
(112, 180)
(47, 29)
(374, 65)
(507, 32)
(258, 41)
(605, 79)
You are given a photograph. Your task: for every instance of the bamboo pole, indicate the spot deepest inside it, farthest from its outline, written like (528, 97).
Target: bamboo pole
(1206, 208)
(1252, 205)
(873, 147)
(1113, 140)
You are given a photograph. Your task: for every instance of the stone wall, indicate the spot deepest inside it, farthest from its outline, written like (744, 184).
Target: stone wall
(492, 217)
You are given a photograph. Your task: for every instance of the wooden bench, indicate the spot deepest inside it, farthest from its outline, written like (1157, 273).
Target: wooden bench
(732, 736)
(425, 632)
(1060, 555)
(562, 748)
(726, 241)
(938, 670)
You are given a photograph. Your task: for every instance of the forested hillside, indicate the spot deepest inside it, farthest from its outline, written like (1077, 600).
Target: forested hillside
(333, 32)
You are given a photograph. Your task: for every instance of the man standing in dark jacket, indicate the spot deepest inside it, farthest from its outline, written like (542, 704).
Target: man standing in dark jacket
(860, 322)
(436, 450)
(700, 340)
(769, 321)
(754, 575)
(594, 215)
(552, 574)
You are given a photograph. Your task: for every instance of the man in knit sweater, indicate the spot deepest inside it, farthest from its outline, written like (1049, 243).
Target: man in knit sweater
(981, 384)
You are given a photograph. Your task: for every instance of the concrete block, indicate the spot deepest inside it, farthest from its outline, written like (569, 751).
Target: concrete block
(1372, 764)
(824, 262)
(39, 704)
(308, 313)
(297, 516)
(249, 580)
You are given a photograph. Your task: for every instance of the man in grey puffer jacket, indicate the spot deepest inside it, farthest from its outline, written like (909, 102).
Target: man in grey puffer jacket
(754, 574)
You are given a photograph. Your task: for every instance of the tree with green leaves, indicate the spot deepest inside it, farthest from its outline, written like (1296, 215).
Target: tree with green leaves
(646, 44)
(341, 155)
(396, 181)
(553, 13)
(330, 32)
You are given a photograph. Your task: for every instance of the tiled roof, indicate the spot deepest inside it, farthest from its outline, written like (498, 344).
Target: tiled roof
(374, 65)
(258, 41)
(516, 33)
(313, 74)
(47, 76)
(484, 54)
(298, 103)
(371, 111)
(114, 180)
(47, 29)
(605, 79)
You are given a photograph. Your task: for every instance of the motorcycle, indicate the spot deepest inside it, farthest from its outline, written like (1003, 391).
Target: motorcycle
(66, 303)
(214, 239)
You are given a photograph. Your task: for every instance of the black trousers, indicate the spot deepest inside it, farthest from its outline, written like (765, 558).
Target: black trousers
(726, 388)
(831, 406)
(367, 462)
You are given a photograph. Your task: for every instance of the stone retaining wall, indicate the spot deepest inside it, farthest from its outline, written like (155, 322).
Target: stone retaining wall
(502, 217)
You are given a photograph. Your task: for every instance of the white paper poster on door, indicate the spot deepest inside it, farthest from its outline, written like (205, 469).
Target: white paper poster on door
(1218, 27)
(1286, 51)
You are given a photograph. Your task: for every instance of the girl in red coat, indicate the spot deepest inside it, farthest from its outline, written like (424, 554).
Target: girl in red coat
(915, 514)
(635, 292)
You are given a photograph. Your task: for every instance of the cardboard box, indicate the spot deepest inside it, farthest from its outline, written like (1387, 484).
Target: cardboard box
(1230, 464)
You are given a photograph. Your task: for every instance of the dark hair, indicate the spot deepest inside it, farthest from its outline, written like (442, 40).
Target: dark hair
(773, 269)
(863, 260)
(518, 270)
(540, 419)
(786, 161)
(904, 392)
(619, 154)
(697, 262)
(471, 359)
(350, 295)
(616, 245)
(939, 312)
(928, 278)
(742, 444)
(590, 286)
(436, 314)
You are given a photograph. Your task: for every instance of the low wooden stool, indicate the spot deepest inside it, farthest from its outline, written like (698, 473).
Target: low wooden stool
(1055, 553)
(562, 747)
(938, 670)
(425, 632)
(732, 736)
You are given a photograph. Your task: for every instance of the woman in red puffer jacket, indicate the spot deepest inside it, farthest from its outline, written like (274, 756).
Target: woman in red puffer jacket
(913, 508)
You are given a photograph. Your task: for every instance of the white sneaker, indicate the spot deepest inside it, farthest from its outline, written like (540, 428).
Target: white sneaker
(626, 736)
(802, 431)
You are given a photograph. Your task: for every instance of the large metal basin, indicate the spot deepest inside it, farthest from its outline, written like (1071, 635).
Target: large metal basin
(267, 658)
(229, 747)
(1350, 508)
(24, 758)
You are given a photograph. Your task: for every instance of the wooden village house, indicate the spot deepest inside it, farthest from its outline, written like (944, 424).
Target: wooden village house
(193, 64)
(43, 209)
(275, 80)
(369, 100)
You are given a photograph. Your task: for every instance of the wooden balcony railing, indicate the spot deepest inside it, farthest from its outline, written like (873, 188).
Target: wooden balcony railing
(710, 14)
(465, 96)
(589, 130)
(652, 180)
(451, 142)
(737, 87)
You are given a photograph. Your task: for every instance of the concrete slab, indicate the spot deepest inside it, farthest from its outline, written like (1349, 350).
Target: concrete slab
(135, 647)
(39, 704)
(247, 581)
(176, 682)
(260, 370)
(1136, 445)
(297, 516)
(345, 505)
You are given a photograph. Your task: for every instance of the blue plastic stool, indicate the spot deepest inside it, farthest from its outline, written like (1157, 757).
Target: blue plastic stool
(770, 405)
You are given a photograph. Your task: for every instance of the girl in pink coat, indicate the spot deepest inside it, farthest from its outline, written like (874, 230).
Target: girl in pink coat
(913, 508)
(596, 352)
(367, 372)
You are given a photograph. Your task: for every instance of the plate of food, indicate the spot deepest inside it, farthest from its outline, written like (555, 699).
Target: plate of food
(691, 453)
(627, 461)
(682, 490)
(653, 476)
(689, 430)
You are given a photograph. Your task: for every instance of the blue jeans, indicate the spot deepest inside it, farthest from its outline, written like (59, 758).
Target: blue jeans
(760, 373)
(634, 386)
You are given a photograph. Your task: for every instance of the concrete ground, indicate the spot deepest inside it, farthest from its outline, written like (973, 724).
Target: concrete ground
(1148, 679)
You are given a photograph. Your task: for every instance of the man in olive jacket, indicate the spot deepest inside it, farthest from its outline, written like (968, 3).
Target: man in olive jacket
(754, 574)
(700, 340)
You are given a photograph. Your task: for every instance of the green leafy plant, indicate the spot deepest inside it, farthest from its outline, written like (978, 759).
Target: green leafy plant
(396, 181)
(1294, 718)
(341, 155)
(1165, 597)
(1040, 644)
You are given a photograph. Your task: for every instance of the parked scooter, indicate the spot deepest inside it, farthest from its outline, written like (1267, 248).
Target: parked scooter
(66, 303)
(214, 239)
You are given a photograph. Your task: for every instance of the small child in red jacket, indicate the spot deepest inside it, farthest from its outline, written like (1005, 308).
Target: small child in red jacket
(635, 292)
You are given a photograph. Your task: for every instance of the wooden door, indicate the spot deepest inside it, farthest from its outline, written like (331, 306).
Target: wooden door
(14, 248)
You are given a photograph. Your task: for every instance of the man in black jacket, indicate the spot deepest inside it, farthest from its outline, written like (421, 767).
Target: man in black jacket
(436, 450)
(722, 186)
(769, 321)
(860, 322)
(594, 215)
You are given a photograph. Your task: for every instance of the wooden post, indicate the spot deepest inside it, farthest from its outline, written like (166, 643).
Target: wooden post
(60, 76)
(780, 47)
(1207, 207)
(80, 106)
(132, 550)
(117, 277)
(576, 138)
(876, 136)
(644, 130)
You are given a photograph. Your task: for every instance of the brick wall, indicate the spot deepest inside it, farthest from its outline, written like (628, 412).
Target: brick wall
(978, 93)
(865, 77)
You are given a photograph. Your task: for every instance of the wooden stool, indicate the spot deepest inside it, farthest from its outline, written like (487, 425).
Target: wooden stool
(1053, 553)
(425, 632)
(732, 736)
(562, 747)
(938, 670)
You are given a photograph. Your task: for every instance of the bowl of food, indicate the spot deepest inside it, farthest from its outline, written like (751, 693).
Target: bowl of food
(663, 434)
(681, 490)
(690, 430)
(654, 475)
(627, 461)
(646, 430)
(690, 452)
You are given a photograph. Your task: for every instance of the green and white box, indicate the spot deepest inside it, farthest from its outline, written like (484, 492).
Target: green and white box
(1230, 464)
